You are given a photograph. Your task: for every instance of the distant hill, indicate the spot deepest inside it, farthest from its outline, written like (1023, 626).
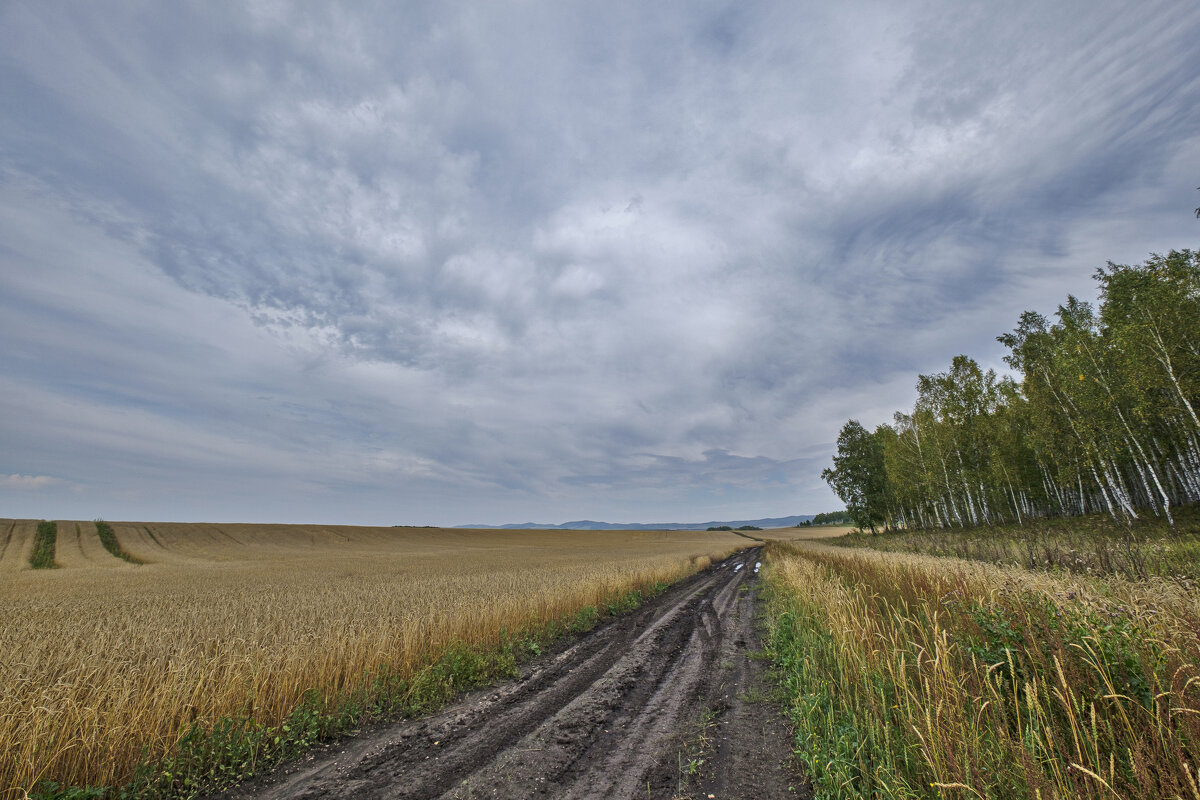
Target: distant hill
(592, 525)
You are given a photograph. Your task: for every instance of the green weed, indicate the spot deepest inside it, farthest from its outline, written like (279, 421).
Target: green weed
(44, 542)
(108, 538)
(695, 745)
(630, 601)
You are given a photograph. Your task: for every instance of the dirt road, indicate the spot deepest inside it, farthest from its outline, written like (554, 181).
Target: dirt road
(666, 702)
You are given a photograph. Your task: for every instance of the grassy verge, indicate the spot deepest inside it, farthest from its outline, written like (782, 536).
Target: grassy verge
(207, 759)
(1094, 544)
(108, 538)
(910, 676)
(44, 541)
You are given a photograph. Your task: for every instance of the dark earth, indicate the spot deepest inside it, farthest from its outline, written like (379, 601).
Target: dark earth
(671, 701)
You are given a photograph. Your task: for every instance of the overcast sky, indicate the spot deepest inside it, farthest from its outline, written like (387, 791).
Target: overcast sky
(499, 262)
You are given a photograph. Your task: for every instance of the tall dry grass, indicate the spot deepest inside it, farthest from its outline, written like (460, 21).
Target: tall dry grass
(102, 670)
(915, 676)
(1094, 544)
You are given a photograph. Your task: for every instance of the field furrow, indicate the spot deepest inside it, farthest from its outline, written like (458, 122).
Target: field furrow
(68, 551)
(19, 545)
(6, 532)
(139, 541)
(93, 549)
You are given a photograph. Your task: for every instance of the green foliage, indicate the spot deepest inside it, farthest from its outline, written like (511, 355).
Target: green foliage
(44, 542)
(858, 476)
(631, 601)
(749, 528)
(584, 620)
(108, 538)
(827, 518)
(842, 750)
(720, 528)
(1103, 417)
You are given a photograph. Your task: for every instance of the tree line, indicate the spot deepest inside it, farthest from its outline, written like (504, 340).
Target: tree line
(826, 518)
(1100, 414)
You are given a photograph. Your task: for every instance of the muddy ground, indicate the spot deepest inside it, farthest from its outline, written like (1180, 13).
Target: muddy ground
(667, 702)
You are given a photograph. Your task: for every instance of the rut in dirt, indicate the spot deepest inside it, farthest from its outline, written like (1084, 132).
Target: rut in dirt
(666, 702)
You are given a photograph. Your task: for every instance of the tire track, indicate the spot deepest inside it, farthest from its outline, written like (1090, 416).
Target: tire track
(606, 717)
(229, 536)
(12, 523)
(69, 549)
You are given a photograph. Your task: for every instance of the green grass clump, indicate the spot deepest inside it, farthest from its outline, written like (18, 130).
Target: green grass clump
(44, 541)
(108, 538)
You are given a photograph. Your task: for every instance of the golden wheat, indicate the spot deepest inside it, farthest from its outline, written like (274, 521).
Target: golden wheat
(103, 664)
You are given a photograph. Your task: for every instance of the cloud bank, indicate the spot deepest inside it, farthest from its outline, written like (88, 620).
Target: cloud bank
(430, 264)
(27, 482)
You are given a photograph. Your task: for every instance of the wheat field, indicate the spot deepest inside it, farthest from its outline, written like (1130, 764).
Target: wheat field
(103, 663)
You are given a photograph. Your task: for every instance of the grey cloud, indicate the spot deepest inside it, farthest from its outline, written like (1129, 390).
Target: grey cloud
(589, 259)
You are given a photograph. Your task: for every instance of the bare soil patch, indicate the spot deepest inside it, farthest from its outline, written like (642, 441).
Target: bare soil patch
(665, 702)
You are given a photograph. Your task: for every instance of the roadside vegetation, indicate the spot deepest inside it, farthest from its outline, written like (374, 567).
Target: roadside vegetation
(1102, 416)
(913, 676)
(236, 646)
